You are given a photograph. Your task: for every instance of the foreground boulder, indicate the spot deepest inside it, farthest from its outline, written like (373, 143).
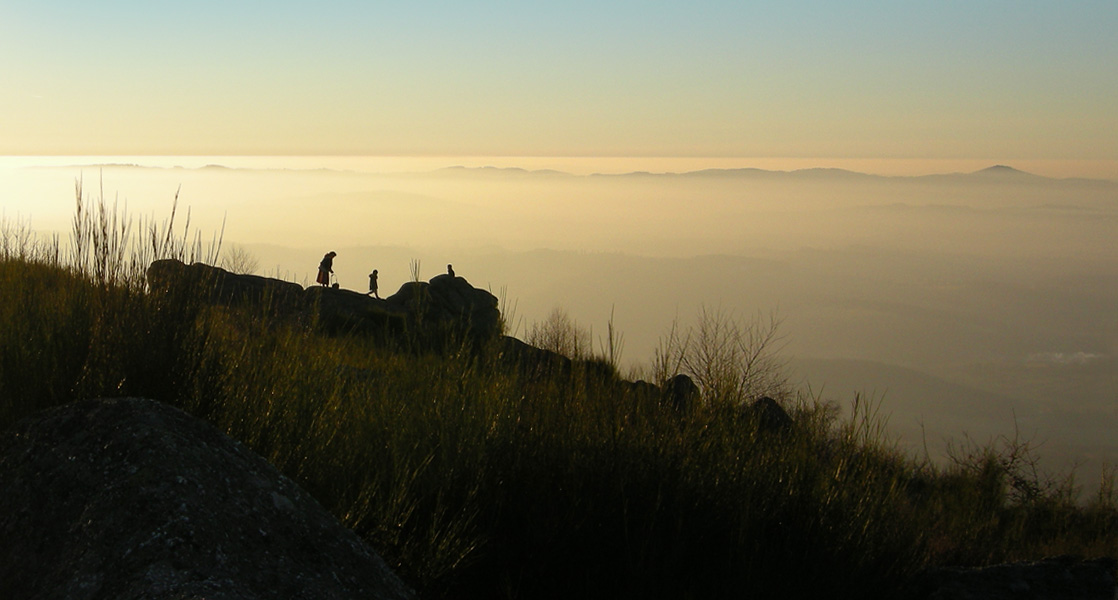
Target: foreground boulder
(131, 498)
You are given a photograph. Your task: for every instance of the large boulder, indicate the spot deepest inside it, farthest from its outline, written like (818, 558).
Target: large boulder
(770, 415)
(449, 305)
(177, 278)
(344, 311)
(131, 498)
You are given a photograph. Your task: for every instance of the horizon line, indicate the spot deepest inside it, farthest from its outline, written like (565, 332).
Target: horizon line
(578, 165)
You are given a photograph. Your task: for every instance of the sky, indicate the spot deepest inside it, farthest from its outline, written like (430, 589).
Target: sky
(944, 80)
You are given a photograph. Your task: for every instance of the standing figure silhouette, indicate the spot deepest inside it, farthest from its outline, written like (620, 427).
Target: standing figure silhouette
(325, 268)
(373, 285)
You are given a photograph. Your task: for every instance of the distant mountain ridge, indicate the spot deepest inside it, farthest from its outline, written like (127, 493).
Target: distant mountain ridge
(999, 172)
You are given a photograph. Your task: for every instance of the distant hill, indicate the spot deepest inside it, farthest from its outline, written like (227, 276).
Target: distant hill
(501, 171)
(995, 173)
(1003, 173)
(1002, 170)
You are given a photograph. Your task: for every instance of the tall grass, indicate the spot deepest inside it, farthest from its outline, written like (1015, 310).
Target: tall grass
(76, 319)
(476, 481)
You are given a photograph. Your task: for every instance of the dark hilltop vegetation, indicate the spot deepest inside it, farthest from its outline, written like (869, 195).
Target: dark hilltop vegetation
(481, 466)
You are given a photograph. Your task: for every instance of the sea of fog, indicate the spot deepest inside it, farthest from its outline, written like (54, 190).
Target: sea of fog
(972, 302)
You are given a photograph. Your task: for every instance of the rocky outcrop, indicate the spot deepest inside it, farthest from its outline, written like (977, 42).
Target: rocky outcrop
(170, 276)
(447, 308)
(770, 415)
(532, 362)
(338, 311)
(130, 498)
(444, 311)
(448, 304)
(680, 392)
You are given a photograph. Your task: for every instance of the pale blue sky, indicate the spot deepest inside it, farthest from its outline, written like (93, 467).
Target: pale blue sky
(997, 80)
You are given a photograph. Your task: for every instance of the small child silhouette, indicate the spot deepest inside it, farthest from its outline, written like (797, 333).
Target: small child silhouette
(373, 285)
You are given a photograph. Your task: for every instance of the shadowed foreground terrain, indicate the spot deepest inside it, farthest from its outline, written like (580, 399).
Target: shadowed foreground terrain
(131, 498)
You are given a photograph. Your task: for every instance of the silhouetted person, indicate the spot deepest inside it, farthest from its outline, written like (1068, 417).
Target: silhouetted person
(373, 284)
(450, 270)
(325, 268)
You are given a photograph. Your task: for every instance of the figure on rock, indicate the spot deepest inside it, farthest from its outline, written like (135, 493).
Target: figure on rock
(450, 270)
(373, 285)
(325, 268)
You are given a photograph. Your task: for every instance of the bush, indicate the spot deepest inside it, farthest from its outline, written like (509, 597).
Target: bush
(731, 360)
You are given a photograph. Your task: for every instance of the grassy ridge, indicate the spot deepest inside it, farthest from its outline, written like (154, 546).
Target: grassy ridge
(475, 481)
